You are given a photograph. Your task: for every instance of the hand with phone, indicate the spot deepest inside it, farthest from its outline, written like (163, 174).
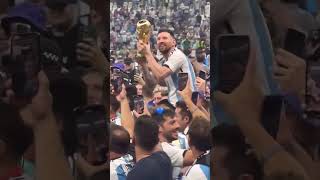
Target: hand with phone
(201, 84)
(138, 104)
(182, 80)
(187, 91)
(295, 43)
(22, 67)
(233, 53)
(139, 79)
(290, 72)
(88, 51)
(249, 92)
(41, 105)
(123, 94)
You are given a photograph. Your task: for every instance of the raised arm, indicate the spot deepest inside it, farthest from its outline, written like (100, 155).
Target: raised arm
(50, 157)
(127, 120)
(276, 160)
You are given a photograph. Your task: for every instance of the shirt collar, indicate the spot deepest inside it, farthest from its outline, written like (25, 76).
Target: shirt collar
(186, 130)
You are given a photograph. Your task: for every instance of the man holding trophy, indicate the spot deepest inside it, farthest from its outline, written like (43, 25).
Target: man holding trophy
(172, 62)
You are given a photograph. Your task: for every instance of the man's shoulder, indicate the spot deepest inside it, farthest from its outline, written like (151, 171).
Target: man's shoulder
(151, 166)
(177, 53)
(126, 159)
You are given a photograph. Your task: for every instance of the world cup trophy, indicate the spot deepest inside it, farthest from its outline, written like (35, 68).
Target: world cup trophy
(143, 33)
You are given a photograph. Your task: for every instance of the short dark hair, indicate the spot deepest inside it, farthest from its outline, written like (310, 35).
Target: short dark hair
(146, 131)
(160, 117)
(166, 30)
(239, 159)
(119, 139)
(184, 110)
(199, 134)
(166, 103)
(17, 136)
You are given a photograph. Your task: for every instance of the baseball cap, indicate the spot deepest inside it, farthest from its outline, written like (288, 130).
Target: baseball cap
(27, 13)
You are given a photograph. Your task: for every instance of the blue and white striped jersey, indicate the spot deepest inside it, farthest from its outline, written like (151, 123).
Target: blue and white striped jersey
(198, 172)
(119, 168)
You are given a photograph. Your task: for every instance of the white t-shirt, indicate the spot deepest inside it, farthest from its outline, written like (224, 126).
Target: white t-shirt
(176, 156)
(119, 168)
(198, 172)
(177, 62)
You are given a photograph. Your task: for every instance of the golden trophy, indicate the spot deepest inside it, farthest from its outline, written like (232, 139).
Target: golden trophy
(143, 33)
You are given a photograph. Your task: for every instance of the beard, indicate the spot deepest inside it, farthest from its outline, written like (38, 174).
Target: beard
(164, 49)
(169, 137)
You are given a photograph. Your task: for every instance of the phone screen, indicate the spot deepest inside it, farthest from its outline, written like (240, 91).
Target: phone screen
(312, 99)
(182, 81)
(202, 75)
(271, 114)
(117, 85)
(138, 104)
(24, 64)
(295, 42)
(194, 98)
(233, 54)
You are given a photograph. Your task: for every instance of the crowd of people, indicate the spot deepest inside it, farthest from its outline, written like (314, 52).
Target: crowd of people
(188, 19)
(155, 121)
(157, 130)
(53, 106)
(268, 125)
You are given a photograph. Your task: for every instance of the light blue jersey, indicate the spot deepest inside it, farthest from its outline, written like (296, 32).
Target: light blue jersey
(119, 168)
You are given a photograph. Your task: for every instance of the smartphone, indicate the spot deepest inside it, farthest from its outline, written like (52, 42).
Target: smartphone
(295, 42)
(271, 114)
(86, 32)
(24, 64)
(138, 104)
(182, 81)
(202, 75)
(117, 85)
(312, 109)
(231, 62)
(194, 97)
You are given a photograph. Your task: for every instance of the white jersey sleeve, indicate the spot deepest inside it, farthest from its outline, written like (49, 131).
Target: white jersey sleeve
(198, 172)
(175, 154)
(175, 62)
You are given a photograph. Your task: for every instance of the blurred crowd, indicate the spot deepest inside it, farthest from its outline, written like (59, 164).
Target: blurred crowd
(53, 106)
(188, 19)
(268, 124)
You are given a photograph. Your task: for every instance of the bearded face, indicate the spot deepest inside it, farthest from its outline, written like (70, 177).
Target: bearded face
(165, 42)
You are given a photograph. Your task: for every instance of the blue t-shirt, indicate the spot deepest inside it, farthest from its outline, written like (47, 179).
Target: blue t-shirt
(155, 167)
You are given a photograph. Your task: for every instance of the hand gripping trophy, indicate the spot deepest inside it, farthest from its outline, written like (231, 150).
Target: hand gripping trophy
(143, 33)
